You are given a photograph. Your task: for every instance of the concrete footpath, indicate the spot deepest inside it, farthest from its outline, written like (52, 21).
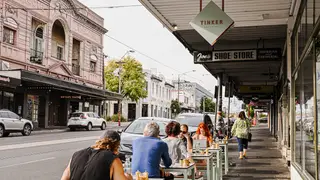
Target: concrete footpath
(64, 129)
(264, 159)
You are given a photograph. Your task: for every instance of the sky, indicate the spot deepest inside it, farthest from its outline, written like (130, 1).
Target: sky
(139, 29)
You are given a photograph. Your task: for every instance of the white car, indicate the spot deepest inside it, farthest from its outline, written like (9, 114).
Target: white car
(11, 122)
(87, 120)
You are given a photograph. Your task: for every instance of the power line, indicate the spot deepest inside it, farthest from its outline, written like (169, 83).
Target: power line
(97, 7)
(148, 56)
(122, 43)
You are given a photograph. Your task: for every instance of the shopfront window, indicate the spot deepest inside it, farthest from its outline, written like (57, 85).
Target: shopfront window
(32, 108)
(304, 146)
(317, 52)
(8, 102)
(317, 12)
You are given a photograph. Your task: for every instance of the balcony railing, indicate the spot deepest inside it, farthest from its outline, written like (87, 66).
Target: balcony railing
(76, 69)
(36, 56)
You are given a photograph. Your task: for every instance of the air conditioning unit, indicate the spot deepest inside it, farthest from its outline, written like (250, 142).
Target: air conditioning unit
(4, 66)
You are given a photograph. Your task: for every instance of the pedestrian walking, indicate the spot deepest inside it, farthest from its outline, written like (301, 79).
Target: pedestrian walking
(241, 129)
(98, 162)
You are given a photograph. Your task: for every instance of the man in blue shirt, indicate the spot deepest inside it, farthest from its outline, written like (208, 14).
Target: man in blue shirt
(148, 152)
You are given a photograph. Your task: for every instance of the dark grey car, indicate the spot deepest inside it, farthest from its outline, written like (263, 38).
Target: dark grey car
(135, 130)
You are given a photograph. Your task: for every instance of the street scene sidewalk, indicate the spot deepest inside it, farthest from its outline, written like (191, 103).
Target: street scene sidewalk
(64, 129)
(264, 159)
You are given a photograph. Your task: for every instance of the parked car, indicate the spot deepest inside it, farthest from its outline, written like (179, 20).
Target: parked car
(194, 119)
(87, 120)
(135, 130)
(10, 122)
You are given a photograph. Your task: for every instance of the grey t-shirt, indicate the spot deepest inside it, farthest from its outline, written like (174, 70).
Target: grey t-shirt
(177, 149)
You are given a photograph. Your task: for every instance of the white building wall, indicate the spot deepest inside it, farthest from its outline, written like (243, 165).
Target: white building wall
(159, 95)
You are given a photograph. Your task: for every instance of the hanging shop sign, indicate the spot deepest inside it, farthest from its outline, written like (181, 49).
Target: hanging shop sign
(256, 89)
(211, 23)
(217, 56)
(236, 55)
(70, 97)
(268, 54)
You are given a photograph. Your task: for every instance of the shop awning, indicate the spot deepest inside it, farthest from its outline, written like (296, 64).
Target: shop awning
(44, 80)
(10, 79)
(258, 25)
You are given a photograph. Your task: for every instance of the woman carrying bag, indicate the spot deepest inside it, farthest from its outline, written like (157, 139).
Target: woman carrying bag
(241, 129)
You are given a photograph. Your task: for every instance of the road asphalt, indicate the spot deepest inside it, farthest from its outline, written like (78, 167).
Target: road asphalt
(42, 156)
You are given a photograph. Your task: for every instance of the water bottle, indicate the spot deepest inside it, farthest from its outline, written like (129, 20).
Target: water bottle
(127, 165)
(198, 147)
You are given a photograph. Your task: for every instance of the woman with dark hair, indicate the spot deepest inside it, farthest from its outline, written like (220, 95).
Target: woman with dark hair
(203, 133)
(185, 136)
(98, 162)
(177, 148)
(240, 129)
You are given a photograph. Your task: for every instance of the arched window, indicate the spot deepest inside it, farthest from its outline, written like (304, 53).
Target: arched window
(58, 40)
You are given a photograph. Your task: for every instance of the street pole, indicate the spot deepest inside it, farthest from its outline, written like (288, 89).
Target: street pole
(229, 94)
(119, 101)
(178, 89)
(204, 104)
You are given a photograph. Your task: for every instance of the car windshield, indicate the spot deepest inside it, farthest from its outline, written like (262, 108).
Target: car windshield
(137, 126)
(76, 114)
(190, 120)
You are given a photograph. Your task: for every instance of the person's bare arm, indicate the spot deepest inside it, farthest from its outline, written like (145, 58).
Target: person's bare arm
(117, 171)
(189, 144)
(66, 173)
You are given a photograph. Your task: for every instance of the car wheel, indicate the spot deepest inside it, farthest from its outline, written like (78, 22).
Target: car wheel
(72, 129)
(89, 126)
(2, 131)
(6, 134)
(26, 130)
(103, 126)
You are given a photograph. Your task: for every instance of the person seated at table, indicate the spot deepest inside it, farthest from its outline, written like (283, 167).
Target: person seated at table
(185, 136)
(148, 151)
(203, 133)
(97, 162)
(177, 148)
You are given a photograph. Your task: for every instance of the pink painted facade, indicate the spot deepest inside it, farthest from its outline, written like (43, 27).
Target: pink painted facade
(59, 38)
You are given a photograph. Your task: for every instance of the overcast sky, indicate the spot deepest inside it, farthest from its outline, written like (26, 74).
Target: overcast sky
(136, 27)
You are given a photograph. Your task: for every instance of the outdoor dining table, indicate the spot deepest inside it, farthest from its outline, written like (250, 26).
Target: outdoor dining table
(218, 158)
(225, 160)
(209, 159)
(181, 169)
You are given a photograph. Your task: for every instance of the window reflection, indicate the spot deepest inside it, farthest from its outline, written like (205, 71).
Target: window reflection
(304, 146)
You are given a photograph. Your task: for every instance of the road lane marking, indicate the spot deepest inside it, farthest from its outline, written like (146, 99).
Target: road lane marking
(45, 143)
(28, 162)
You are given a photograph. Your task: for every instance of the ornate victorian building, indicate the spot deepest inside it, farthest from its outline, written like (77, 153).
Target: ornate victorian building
(51, 57)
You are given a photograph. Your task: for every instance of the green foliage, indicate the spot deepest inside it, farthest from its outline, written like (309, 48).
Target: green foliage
(133, 83)
(108, 118)
(210, 106)
(251, 111)
(263, 115)
(175, 107)
(114, 118)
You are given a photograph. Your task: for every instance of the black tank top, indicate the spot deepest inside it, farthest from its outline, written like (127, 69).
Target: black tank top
(91, 164)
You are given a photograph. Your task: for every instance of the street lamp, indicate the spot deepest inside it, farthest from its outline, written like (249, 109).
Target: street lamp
(120, 62)
(179, 82)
